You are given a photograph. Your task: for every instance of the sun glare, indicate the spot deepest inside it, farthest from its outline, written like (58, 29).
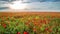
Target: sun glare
(17, 5)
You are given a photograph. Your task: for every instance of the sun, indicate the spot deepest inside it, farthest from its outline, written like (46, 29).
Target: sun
(17, 5)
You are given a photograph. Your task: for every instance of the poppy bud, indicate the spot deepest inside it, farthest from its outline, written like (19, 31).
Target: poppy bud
(18, 32)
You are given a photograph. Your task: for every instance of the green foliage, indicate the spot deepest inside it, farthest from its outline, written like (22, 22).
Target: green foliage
(12, 25)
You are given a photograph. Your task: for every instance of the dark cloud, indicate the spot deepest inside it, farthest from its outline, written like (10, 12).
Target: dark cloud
(4, 0)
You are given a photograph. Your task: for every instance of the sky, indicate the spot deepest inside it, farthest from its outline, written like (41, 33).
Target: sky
(35, 0)
(46, 5)
(44, 0)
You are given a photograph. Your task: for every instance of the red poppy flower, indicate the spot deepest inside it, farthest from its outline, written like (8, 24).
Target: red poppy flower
(52, 16)
(58, 17)
(4, 25)
(44, 21)
(26, 33)
(40, 21)
(50, 30)
(35, 23)
(34, 19)
(46, 29)
(18, 32)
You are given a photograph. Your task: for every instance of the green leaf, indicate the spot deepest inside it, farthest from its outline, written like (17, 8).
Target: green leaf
(42, 28)
(2, 28)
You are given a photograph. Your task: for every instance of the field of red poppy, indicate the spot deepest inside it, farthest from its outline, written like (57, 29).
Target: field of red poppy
(29, 23)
